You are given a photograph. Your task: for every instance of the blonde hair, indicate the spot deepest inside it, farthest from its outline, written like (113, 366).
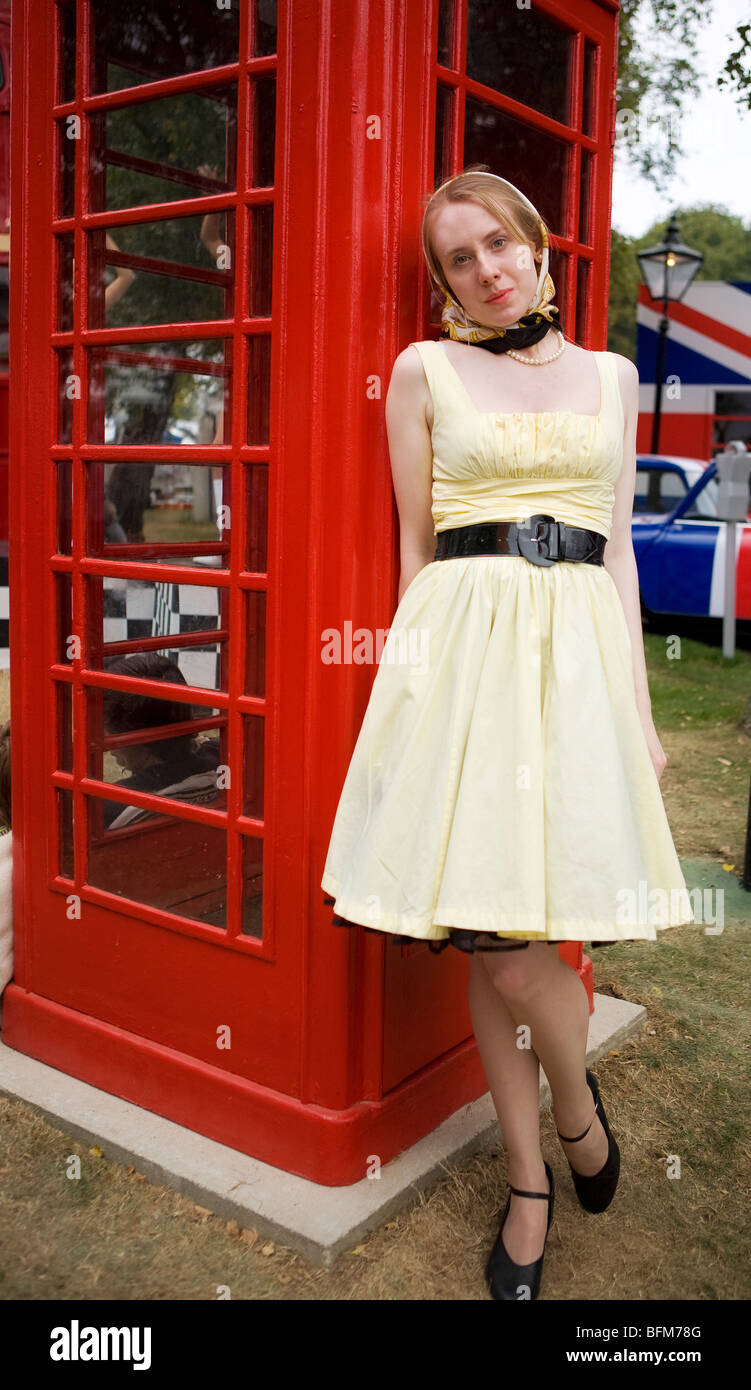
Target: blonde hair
(523, 223)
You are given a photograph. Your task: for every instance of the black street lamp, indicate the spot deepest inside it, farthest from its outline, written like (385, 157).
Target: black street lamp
(667, 270)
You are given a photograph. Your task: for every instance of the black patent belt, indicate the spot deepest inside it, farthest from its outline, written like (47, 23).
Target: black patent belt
(539, 538)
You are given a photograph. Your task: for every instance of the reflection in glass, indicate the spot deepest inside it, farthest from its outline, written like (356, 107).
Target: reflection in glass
(156, 393)
(588, 94)
(64, 715)
(263, 93)
(156, 505)
(443, 115)
(585, 199)
(155, 151)
(261, 259)
(259, 387)
(520, 51)
(257, 517)
(252, 917)
(67, 391)
(254, 726)
(64, 272)
(255, 628)
(137, 41)
(445, 33)
(64, 801)
(133, 610)
(160, 860)
(64, 618)
(177, 762)
(264, 28)
(182, 274)
(558, 267)
(64, 470)
(66, 160)
(529, 158)
(582, 302)
(67, 16)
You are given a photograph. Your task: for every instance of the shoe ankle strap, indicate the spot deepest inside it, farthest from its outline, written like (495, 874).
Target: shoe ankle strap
(583, 1133)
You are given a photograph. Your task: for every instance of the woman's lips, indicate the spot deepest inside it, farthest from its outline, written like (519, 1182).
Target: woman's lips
(496, 298)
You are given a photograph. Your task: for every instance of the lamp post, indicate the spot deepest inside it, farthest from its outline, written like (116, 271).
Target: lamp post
(667, 270)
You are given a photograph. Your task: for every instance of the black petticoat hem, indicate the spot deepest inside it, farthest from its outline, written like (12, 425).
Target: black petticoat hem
(463, 938)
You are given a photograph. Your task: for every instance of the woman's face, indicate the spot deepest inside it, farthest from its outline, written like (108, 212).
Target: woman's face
(479, 260)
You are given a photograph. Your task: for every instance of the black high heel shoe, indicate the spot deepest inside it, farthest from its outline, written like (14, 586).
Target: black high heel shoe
(597, 1191)
(504, 1278)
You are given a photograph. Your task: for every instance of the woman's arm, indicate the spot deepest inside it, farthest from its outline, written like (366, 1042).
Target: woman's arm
(620, 561)
(411, 452)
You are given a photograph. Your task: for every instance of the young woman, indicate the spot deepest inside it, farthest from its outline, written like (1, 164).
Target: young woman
(503, 794)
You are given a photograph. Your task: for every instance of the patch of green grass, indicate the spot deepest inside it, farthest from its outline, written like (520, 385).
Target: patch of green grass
(692, 684)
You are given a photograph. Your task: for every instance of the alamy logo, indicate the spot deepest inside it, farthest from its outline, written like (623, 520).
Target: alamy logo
(76, 1343)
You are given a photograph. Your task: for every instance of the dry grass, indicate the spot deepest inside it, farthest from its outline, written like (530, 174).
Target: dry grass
(677, 1091)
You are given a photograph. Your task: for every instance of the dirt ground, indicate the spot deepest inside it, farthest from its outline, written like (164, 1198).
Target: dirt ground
(678, 1088)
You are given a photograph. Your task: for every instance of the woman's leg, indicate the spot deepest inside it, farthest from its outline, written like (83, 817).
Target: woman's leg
(513, 1076)
(539, 989)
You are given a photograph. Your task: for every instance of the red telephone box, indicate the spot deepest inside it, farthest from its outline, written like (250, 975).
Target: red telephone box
(215, 233)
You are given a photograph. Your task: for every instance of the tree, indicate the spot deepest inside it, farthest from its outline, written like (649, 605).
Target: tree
(722, 237)
(658, 48)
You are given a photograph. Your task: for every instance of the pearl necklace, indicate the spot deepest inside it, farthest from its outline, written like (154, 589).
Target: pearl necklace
(539, 361)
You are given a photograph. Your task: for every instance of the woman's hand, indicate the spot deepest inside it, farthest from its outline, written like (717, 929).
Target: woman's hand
(656, 750)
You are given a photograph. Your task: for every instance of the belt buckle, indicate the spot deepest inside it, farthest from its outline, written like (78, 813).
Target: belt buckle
(534, 537)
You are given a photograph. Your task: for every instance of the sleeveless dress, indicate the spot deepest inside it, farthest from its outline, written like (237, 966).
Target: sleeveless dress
(501, 783)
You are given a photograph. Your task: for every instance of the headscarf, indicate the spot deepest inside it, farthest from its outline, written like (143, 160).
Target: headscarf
(540, 316)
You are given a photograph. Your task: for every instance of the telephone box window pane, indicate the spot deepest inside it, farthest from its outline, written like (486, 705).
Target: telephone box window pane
(585, 200)
(153, 151)
(443, 114)
(67, 391)
(169, 863)
(64, 710)
(588, 96)
(135, 41)
(264, 28)
(255, 628)
(263, 93)
(522, 53)
(65, 831)
(66, 161)
(64, 473)
(176, 279)
(257, 518)
(444, 52)
(582, 302)
(558, 268)
(252, 887)
(156, 393)
(67, 59)
(158, 506)
(135, 610)
(254, 725)
(178, 766)
(63, 618)
(65, 282)
(529, 158)
(261, 259)
(259, 387)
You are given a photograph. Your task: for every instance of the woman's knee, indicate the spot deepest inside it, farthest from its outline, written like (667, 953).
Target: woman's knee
(517, 973)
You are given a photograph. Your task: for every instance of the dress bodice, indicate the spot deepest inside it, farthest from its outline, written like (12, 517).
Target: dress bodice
(491, 466)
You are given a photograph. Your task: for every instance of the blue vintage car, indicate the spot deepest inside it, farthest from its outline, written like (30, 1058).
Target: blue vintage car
(679, 541)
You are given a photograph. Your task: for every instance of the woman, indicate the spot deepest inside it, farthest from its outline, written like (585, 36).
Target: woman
(503, 795)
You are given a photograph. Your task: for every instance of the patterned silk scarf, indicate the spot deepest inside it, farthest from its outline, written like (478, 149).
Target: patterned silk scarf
(540, 317)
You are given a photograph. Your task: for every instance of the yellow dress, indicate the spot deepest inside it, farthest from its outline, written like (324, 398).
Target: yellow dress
(501, 780)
